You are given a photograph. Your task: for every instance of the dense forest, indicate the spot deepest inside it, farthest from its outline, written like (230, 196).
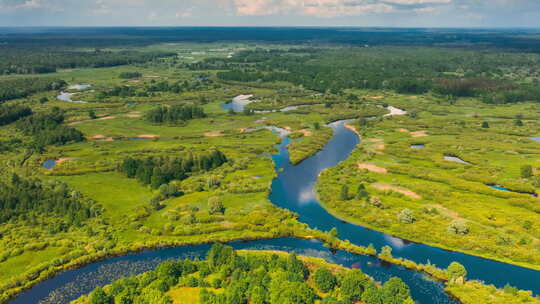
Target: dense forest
(47, 128)
(156, 171)
(493, 76)
(174, 114)
(31, 199)
(226, 277)
(23, 87)
(38, 61)
(11, 113)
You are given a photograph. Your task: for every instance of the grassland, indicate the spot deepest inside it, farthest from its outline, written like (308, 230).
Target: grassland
(500, 225)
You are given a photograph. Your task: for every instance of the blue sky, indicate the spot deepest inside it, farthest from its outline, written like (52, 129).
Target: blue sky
(393, 13)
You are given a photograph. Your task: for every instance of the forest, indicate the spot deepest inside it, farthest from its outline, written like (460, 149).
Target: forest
(449, 73)
(31, 61)
(23, 87)
(32, 200)
(156, 171)
(229, 277)
(47, 128)
(174, 114)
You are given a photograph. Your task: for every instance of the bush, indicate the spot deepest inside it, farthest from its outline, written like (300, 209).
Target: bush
(455, 271)
(215, 205)
(406, 216)
(325, 280)
(458, 227)
(526, 171)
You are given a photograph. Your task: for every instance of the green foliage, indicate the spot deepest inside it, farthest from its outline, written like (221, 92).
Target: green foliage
(17, 60)
(485, 125)
(325, 280)
(47, 128)
(395, 291)
(130, 75)
(458, 227)
(406, 216)
(23, 87)
(352, 285)
(156, 171)
(12, 113)
(361, 192)
(526, 171)
(456, 270)
(28, 198)
(344, 194)
(215, 205)
(98, 296)
(174, 114)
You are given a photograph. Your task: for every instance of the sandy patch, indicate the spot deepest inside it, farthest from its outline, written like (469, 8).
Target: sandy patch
(102, 138)
(419, 134)
(213, 134)
(152, 76)
(403, 191)
(133, 115)
(374, 140)
(377, 97)
(380, 147)
(106, 118)
(306, 132)
(287, 128)
(372, 168)
(403, 130)
(64, 159)
(148, 136)
(352, 128)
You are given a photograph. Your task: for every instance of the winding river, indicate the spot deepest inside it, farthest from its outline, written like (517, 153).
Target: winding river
(293, 189)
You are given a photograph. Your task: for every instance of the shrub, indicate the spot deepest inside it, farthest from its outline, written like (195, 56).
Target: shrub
(458, 227)
(406, 216)
(455, 271)
(325, 280)
(526, 171)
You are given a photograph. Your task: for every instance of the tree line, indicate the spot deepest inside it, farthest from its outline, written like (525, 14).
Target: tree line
(28, 199)
(37, 61)
(12, 113)
(47, 128)
(449, 72)
(174, 114)
(253, 278)
(24, 87)
(158, 170)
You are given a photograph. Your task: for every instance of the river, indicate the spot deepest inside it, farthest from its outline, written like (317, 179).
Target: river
(293, 189)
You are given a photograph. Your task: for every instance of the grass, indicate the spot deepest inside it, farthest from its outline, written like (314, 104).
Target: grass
(448, 191)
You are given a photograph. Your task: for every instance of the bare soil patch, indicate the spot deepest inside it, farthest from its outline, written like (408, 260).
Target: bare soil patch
(403, 191)
(372, 168)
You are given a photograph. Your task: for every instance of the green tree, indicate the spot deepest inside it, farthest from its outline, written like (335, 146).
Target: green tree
(518, 123)
(485, 125)
(458, 227)
(395, 291)
(92, 114)
(325, 280)
(157, 178)
(98, 296)
(386, 252)
(353, 285)
(406, 216)
(455, 271)
(372, 294)
(361, 192)
(215, 205)
(344, 194)
(526, 171)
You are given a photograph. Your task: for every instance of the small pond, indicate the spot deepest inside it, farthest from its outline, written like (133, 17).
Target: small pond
(49, 164)
(455, 159)
(418, 146)
(535, 138)
(66, 96)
